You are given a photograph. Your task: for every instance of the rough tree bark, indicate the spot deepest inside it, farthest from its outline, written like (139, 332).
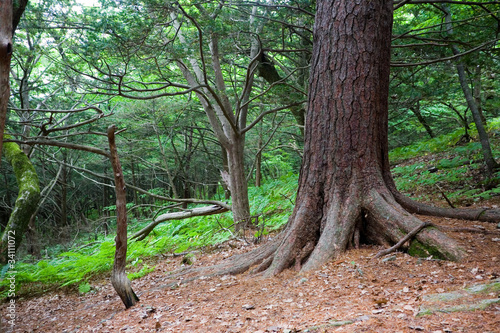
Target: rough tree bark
(343, 195)
(5, 56)
(119, 278)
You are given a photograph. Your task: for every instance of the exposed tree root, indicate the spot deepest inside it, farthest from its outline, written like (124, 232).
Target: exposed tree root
(234, 265)
(376, 216)
(471, 214)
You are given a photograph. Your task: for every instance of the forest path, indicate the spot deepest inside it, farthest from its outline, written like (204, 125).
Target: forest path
(357, 292)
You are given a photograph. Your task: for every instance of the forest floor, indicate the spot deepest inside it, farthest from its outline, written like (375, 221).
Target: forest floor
(355, 293)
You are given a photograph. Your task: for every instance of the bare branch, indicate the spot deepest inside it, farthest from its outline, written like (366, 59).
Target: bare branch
(152, 195)
(265, 113)
(200, 211)
(423, 63)
(43, 142)
(92, 107)
(406, 238)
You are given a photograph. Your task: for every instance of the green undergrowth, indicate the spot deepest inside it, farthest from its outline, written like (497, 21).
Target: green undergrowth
(444, 143)
(445, 164)
(77, 267)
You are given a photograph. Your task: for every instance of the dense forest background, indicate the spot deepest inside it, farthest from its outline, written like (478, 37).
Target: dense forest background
(179, 79)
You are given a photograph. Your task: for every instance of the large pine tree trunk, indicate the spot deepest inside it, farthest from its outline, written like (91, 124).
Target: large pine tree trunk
(343, 193)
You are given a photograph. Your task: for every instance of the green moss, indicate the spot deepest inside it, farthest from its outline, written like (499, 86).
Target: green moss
(480, 305)
(485, 288)
(27, 198)
(417, 249)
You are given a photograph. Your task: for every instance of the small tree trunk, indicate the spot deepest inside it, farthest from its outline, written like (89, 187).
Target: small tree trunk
(238, 184)
(32, 239)
(63, 199)
(490, 162)
(463, 121)
(477, 93)
(421, 119)
(165, 163)
(258, 166)
(134, 182)
(119, 278)
(225, 171)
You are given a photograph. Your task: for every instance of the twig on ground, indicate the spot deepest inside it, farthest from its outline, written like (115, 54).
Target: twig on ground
(406, 238)
(445, 197)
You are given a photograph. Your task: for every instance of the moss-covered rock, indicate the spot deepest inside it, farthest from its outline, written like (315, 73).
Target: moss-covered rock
(468, 299)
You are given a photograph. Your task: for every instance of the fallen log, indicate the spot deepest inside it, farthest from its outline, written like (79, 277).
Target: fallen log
(199, 211)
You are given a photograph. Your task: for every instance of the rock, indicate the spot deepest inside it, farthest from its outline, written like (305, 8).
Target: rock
(391, 258)
(470, 299)
(432, 169)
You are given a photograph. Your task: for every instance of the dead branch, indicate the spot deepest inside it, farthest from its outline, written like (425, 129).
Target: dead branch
(406, 238)
(200, 211)
(445, 197)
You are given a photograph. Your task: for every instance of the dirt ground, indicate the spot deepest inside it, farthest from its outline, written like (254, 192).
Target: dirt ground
(370, 295)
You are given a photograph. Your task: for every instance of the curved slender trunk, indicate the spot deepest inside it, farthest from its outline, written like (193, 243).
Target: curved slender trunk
(491, 164)
(119, 278)
(416, 111)
(26, 202)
